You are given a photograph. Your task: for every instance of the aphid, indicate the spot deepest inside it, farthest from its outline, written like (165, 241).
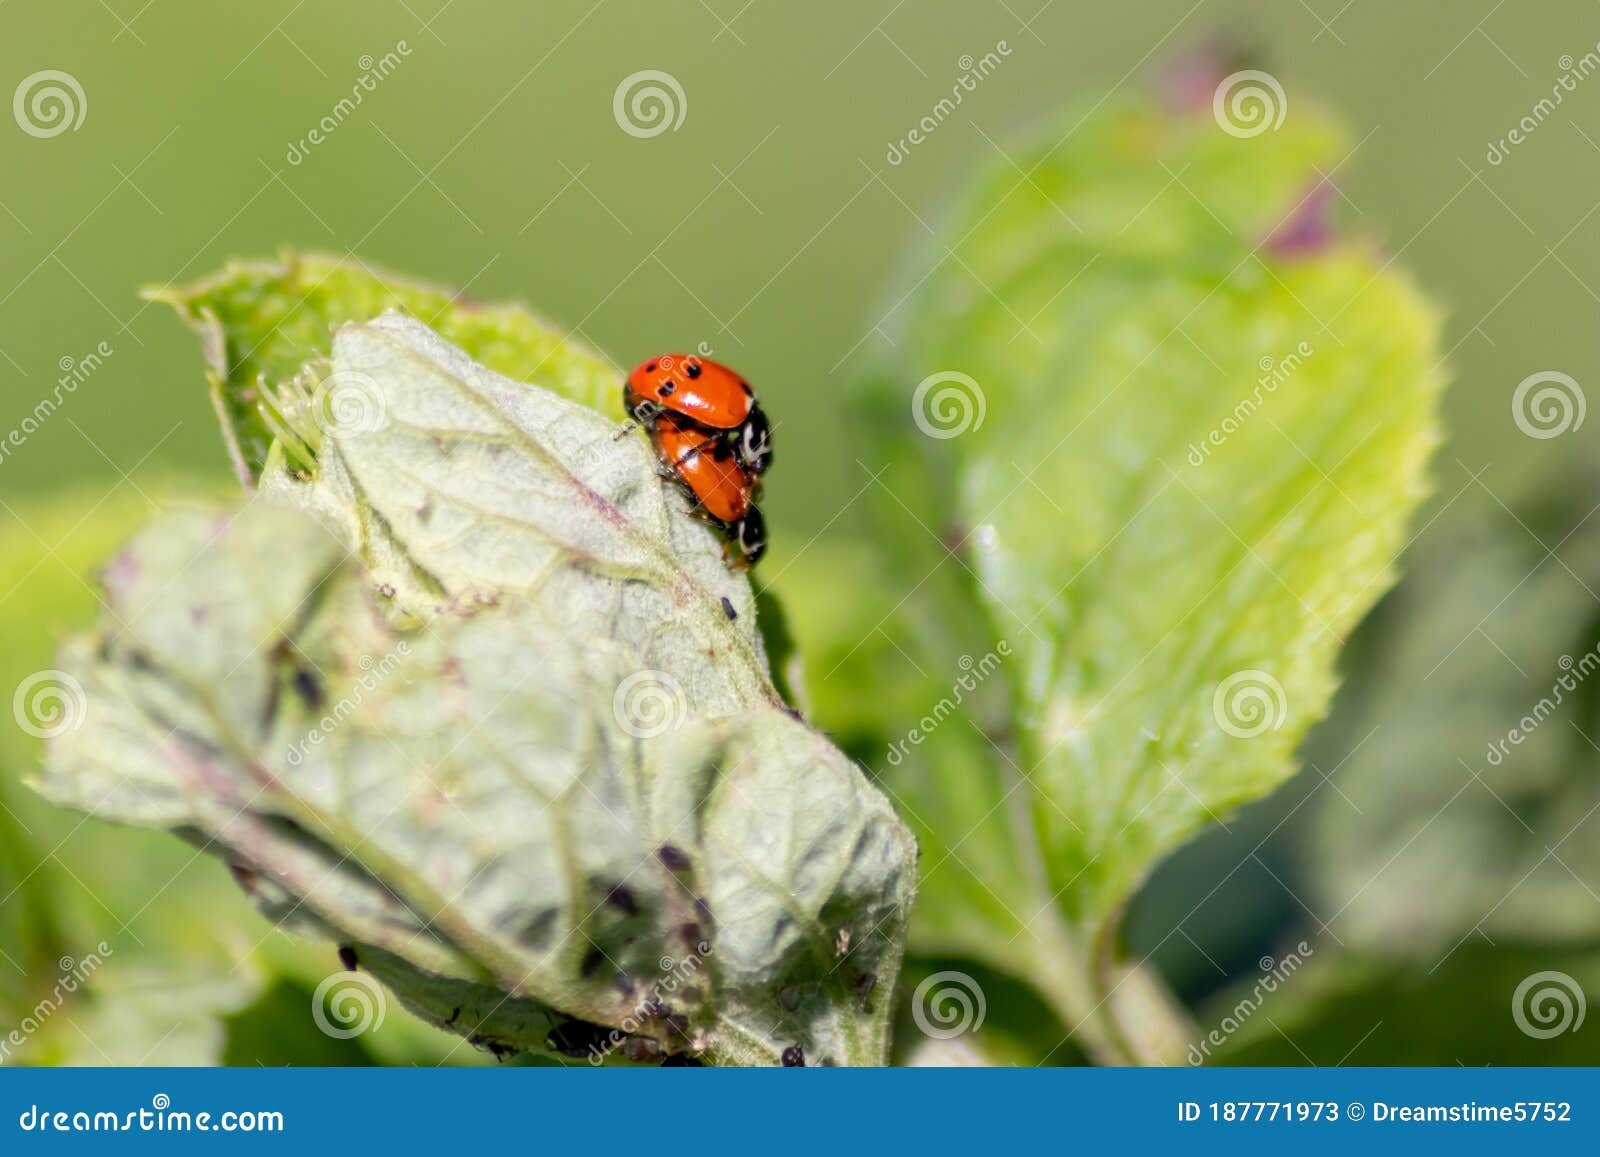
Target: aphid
(794, 1057)
(673, 858)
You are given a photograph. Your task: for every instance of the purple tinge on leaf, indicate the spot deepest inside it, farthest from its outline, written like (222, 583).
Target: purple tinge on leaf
(1307, 229)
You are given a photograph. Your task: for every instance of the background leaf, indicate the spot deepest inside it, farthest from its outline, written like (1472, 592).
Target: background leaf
(1150, 549)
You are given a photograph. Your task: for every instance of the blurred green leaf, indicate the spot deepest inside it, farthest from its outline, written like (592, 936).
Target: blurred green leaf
(261, 322)
(1482, 686)
(1168, 454)
(1471, 1011)
(574, 791)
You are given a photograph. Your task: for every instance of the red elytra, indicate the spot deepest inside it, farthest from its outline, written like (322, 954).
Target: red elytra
(705, 464)
(705, 391)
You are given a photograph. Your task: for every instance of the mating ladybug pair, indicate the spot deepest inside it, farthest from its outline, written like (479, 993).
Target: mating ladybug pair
(711, 436)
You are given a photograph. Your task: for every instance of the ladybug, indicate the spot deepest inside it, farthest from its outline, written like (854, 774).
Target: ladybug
(707, 393)
(707, 464)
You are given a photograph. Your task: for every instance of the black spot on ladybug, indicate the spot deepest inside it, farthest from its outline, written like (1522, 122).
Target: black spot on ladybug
(620, 896)
(651, 368)
(794, 1057)
(745, 386)
(667, 387)
(307, 687)
(347, 957)
(674, 858)
(692, 370)
(727, 609)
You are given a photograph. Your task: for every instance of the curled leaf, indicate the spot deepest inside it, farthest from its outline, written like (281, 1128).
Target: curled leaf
(497, 732)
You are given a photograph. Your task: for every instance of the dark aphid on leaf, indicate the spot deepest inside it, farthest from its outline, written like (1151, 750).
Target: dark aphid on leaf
(794, 1057)
(347, 957)
(575, 1038)
(620, 897)
(673, 858)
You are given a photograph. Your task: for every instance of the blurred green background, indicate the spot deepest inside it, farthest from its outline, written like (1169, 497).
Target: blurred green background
(769, 226)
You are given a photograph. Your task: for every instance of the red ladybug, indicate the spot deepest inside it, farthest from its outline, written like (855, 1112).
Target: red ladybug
(707, 393)
(706, 464)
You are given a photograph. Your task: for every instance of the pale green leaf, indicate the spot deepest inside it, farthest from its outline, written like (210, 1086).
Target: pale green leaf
(549, 777)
